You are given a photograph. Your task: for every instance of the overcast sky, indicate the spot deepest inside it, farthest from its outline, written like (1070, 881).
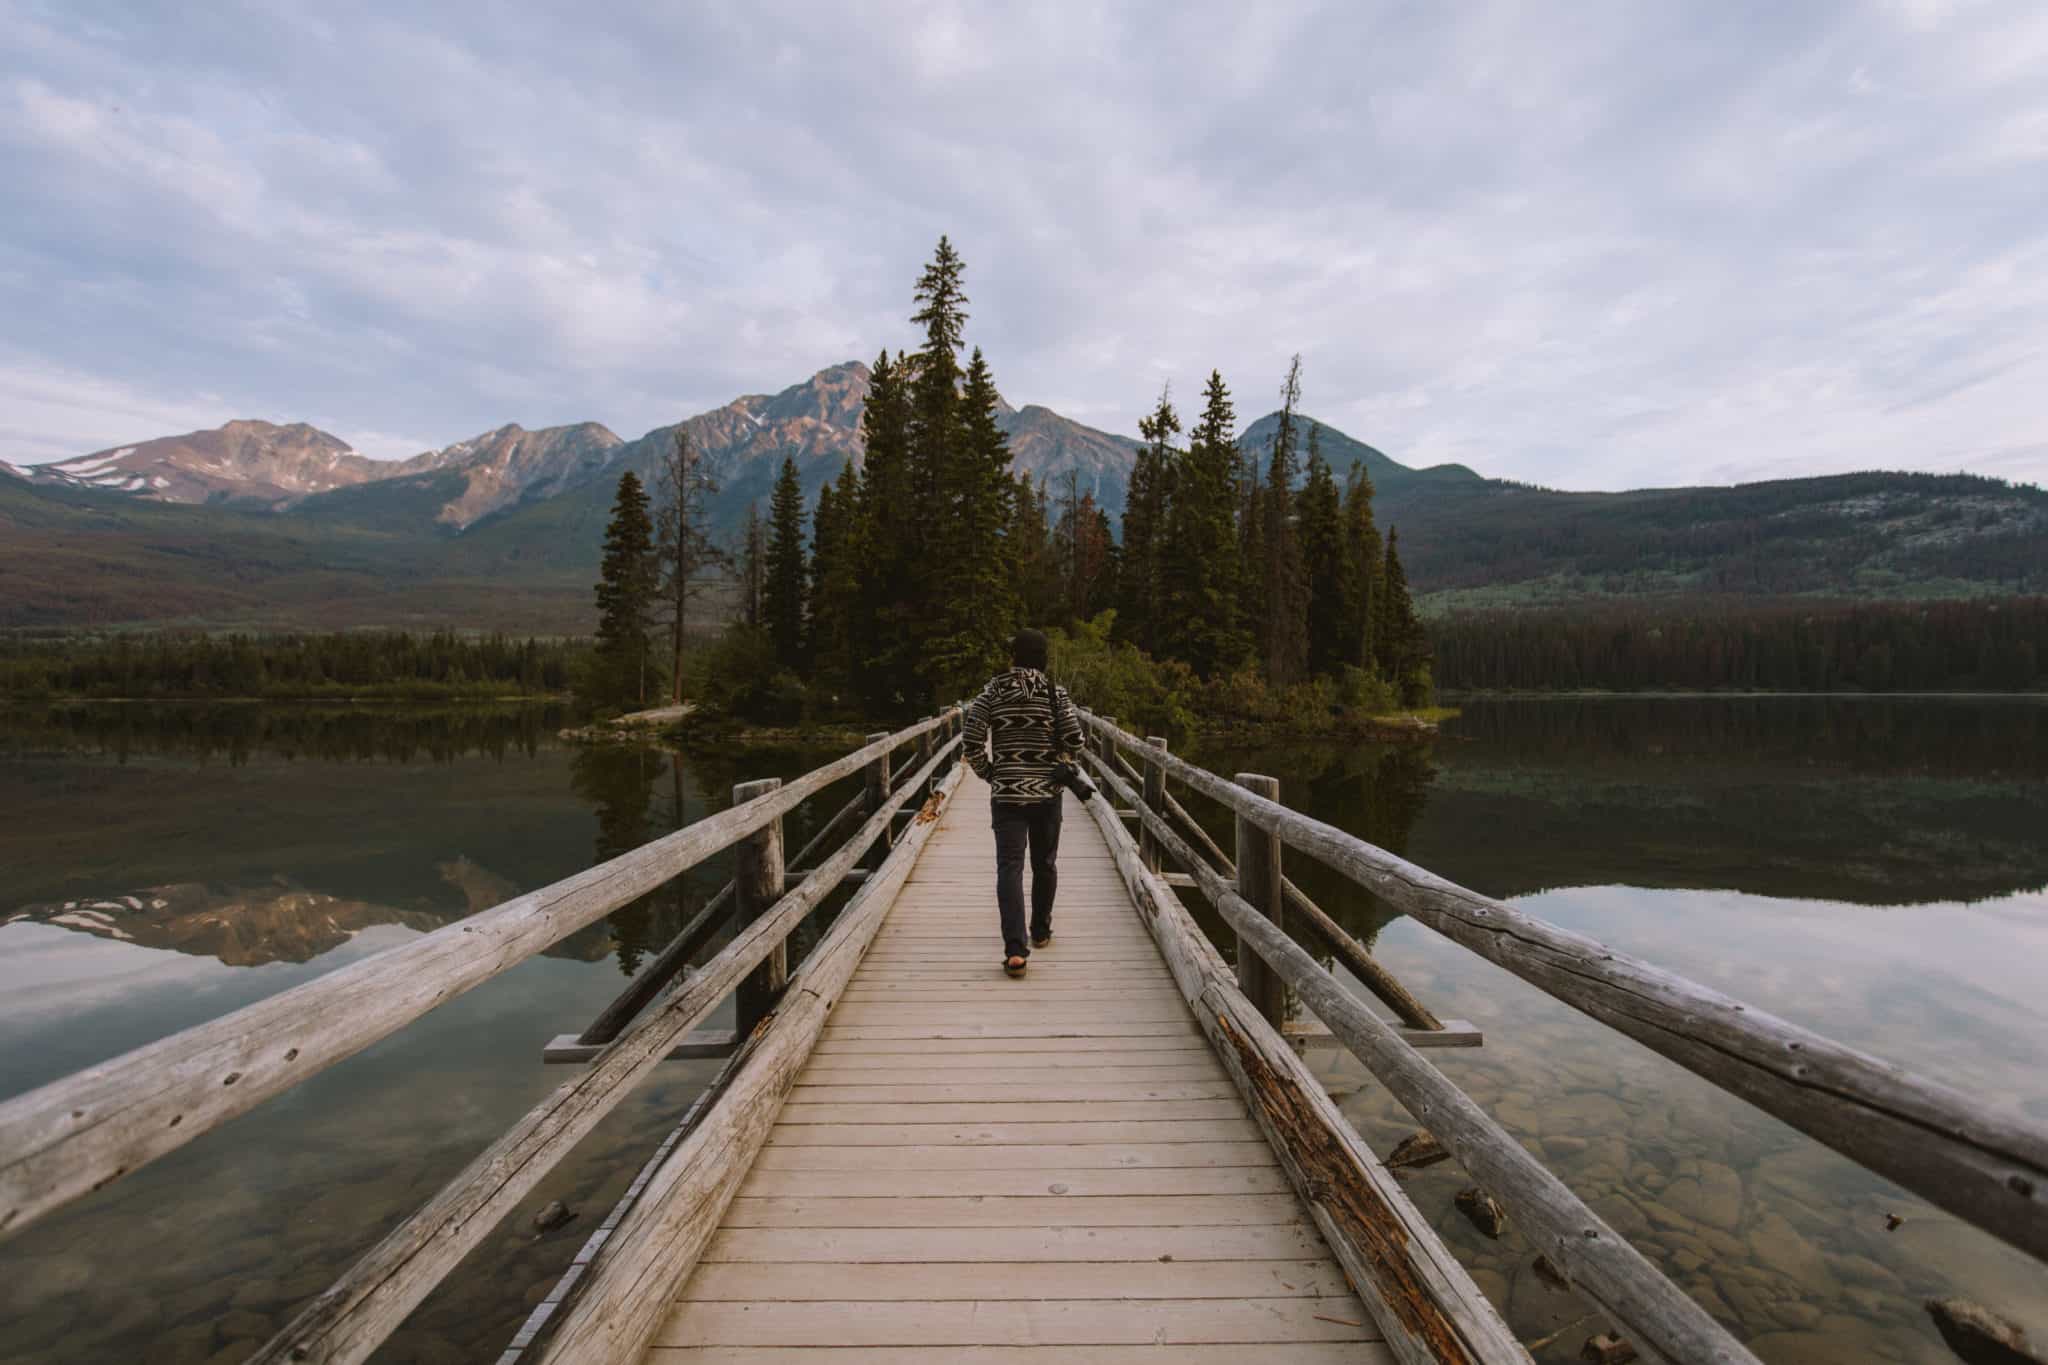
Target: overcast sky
(1592, 245)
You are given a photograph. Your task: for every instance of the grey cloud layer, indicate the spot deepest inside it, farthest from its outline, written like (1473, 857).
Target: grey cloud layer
(1599, 245)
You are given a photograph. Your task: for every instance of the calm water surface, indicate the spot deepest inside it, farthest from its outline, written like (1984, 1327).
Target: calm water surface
(1873, 869)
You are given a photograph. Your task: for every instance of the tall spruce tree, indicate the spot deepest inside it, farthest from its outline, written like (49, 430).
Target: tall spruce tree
(626, 586)
(1286, 587)
(975, 568)
(1364, 566)
(751, 552)
(1145, 503)
(782, 599)
(935, 408)
(1320, 524)
(1202, 569)
(1406, 644)
(838, 541)
(880, 629)
(686, 556)
(1038, 565)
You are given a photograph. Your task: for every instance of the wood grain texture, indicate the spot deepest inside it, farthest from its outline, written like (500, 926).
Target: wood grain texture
(1659, 1318)
(624, 1297)
(349, 1320)
(968, 1162)
(1984, 1162)
(75, 1135)
(1427, 1306)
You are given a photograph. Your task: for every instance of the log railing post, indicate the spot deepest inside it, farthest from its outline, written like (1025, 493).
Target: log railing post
(1258, 881)
(1106, 746)
(757, 884)
(1155, 800)
(878, 786)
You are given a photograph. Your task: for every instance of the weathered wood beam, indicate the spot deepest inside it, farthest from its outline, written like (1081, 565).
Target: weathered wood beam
(1258, 882)
(1454, 1033)
(1424, 1302)
(1362, 964)
(701, 929)
(1985, 1164)
(75, 1135)
(623, 1300)
(697, 1045)
(758, 883)
(1661, 1319)
(363, 1307)
(1155, 798)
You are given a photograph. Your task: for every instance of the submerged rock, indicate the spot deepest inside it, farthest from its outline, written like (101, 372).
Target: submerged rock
(553, 1216)
(1481, 1211)
(1979, 1335)
(1417, 1149)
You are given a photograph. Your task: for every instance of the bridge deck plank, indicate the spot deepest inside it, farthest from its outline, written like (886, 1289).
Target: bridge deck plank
(971, 1168)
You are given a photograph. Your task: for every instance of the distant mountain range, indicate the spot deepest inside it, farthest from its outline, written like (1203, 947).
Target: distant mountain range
(286, 525)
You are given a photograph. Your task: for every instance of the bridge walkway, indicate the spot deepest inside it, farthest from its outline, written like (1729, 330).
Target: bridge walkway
(971, 1168)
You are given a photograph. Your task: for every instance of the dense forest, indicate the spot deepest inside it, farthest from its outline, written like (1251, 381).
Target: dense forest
(918, 565)
(1997, 645)
(393, 664)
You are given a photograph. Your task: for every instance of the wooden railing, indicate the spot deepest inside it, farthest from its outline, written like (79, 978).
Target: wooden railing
(77, 1134)
(1988, 1166)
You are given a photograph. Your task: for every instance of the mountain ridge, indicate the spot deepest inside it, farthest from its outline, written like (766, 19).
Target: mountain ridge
(503, 528)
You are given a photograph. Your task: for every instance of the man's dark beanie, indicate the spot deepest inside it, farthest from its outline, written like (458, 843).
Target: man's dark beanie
(1027, 649)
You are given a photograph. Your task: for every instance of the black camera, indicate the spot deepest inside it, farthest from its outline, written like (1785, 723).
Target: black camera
(1074, 780)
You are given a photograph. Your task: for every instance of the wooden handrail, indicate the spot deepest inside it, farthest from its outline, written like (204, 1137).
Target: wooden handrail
(75, 1135)
(1659, 1317)
(1987, 1166)
(694, 935)
(623, 1298)
(349, 1320)
(1423, 1300)
(1357, 960)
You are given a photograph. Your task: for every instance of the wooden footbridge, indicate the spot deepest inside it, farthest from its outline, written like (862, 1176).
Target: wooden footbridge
(908, 1157)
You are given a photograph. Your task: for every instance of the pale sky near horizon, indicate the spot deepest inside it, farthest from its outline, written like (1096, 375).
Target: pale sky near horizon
(1597, 245)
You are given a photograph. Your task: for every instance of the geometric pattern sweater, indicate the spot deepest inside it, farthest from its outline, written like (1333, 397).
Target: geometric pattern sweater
(1010, 739)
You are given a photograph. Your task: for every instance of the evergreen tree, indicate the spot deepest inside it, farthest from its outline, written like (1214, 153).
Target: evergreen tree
(1086, 552)
(1251, 554)
(839, 550)
(1406, 643)
(1363, 568)
(1200, 624)
(880, 627)
(935, 401)
(1138, 581)
(752, 555)
(1286, 589)
(782, 602)
(1320, 525)
(626, 586)
(975, 569)
(1038, 562)
(684, 552)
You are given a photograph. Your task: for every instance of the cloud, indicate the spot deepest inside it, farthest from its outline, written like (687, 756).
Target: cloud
(1595, 247)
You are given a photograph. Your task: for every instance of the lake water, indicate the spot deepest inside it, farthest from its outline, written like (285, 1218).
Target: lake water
(1874, 869)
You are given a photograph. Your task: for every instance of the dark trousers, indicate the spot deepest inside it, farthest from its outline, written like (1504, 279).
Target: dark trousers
(1018, 824)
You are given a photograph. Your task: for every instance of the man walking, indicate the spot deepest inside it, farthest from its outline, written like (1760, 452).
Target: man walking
(1017, 732)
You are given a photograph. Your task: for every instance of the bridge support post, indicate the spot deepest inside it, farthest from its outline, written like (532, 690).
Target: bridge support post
(1155, 801)
(878, 790)
(1258, 881)
(1104, 745)
(757, 881)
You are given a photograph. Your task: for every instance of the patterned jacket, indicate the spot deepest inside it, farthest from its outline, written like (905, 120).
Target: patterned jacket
(1012, 720)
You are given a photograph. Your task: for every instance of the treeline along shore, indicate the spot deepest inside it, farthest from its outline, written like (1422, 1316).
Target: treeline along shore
(1977, 645)
(288, 666)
